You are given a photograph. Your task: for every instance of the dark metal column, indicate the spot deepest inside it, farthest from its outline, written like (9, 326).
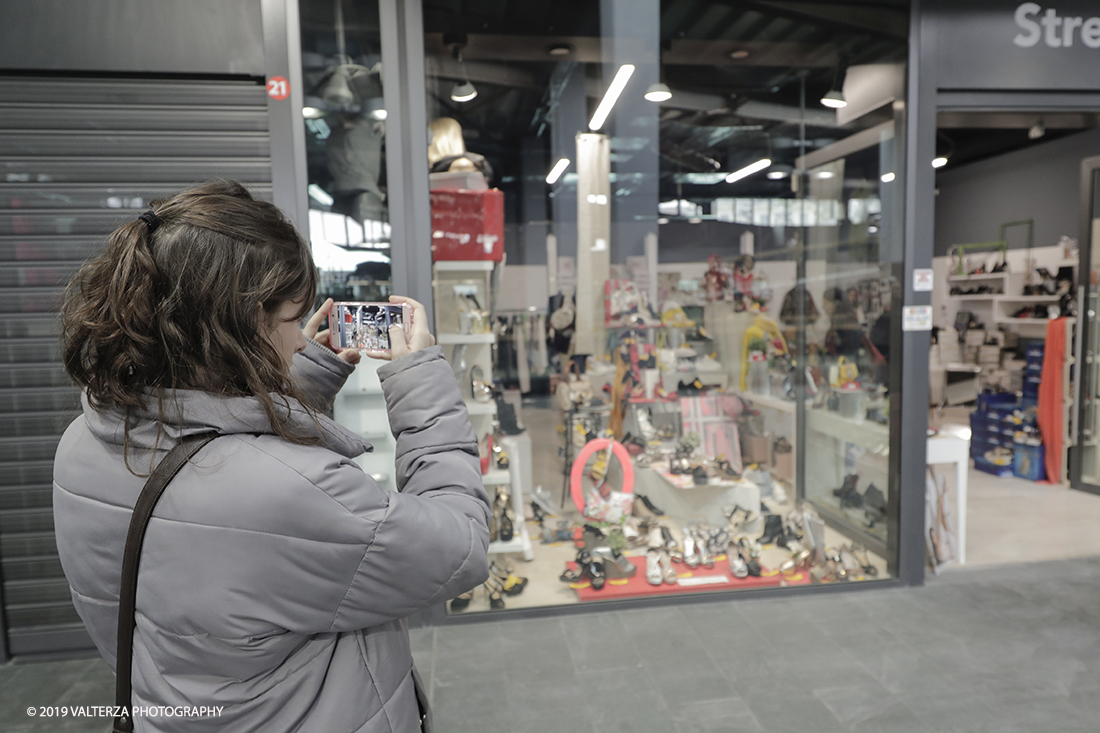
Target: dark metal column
(407, 148)
(909, 424)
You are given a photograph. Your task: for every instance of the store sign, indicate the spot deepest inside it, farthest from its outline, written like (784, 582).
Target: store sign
(991, 45)
(923, 280)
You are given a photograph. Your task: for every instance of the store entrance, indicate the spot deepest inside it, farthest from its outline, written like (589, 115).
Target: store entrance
(1006, 306)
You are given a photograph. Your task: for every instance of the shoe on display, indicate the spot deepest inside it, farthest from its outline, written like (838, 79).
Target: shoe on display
(738, 567)
(653, 572)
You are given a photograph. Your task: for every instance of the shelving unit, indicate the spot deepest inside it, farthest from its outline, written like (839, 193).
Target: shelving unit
(476, 349)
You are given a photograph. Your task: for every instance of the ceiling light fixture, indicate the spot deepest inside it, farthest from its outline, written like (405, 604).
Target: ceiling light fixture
(603, 109)
(1036, 131)
(463, 92)
(557, 170)
(558, 50)
(748, 170)
(887, 177)
(939, 162)
(824, 175)
(777, 175)
(739, 53)
(834, 99)
(658, 92)
(311, 113)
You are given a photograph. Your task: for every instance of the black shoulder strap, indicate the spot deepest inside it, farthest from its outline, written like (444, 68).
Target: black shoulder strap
(165, 471)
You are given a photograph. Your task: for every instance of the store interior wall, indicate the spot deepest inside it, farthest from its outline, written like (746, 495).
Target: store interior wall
(1040, 182)
(144, 36)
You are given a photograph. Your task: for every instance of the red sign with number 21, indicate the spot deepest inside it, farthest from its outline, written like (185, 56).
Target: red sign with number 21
(278, 87)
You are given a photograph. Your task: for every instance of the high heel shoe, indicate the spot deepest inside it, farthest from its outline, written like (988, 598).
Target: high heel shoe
(460, 603)
(494, 590)
(653, 573)
(511, 584)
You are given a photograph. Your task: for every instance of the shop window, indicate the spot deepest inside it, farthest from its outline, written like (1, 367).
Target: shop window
(665, 254)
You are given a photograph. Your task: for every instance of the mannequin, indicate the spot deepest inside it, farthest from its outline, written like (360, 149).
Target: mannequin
(447, 150)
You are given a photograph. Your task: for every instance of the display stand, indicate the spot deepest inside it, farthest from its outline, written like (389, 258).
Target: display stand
(518, 476)
(451, 279)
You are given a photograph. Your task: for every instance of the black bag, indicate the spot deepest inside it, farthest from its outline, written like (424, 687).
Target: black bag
(165, 471)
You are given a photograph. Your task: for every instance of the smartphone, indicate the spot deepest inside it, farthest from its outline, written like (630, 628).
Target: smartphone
(366, 326)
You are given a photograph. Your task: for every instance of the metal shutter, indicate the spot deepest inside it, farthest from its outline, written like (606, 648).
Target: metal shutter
(78, 156)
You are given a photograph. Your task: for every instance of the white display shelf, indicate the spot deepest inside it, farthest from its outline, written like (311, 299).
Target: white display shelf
(481, 408)
(1026, 298)
(973, 278)
(873, 436)
(453, 339)
(768, 401)
(496, 477)
(518, 543)
(464, 265)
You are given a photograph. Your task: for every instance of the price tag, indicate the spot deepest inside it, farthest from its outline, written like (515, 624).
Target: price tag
(278, 87)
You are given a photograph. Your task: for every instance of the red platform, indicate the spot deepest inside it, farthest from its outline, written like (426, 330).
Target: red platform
(639, 586)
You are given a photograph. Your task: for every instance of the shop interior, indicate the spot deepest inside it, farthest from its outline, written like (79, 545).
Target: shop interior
(665, 251)
(1007, 272)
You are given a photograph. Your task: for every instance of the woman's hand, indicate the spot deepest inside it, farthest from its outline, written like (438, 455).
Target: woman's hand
(419, 337)
(351, 356)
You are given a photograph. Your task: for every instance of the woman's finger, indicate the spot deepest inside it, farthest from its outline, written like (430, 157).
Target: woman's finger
(314, 322)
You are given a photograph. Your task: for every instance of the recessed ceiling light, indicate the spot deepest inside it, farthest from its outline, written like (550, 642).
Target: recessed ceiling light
(824, 174)
(739, 53)
(557, 50)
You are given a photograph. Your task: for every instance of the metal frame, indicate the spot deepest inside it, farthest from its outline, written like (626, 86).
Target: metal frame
(402, 26)
(1089, 167)
(283, 57)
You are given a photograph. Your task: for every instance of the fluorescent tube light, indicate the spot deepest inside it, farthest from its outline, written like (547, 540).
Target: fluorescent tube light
(749, 170)
(622, 76)
(557, 170)
(320, 194)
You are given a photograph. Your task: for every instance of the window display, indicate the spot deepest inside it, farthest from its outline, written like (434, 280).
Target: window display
(691, 302)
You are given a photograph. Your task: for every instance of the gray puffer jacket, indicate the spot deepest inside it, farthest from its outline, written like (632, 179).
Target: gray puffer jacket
(275, 577)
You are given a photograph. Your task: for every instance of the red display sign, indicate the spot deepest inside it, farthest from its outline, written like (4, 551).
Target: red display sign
(278, 87)
(467, 225)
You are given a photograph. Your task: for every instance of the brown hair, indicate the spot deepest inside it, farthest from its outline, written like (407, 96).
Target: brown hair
(174, 302)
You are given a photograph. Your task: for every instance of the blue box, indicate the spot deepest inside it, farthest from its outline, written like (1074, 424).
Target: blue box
(1029, 461)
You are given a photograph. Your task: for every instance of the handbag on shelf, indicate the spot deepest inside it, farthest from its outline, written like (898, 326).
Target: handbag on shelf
(154, 487)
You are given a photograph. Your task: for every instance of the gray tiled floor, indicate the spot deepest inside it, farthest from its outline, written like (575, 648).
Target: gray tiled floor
(1008, 648)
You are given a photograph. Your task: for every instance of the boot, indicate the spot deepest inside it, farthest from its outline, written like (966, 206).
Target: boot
(773, 529)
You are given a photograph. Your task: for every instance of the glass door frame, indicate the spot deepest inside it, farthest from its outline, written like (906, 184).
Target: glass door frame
(1090, 169)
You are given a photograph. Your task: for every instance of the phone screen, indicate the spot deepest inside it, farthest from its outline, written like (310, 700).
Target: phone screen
(365, 326)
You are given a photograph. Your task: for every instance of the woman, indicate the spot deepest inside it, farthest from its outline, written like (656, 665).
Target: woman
(275, 574)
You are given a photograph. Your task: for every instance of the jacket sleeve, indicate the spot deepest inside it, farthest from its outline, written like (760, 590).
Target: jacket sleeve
(431, 543)
(319, 374)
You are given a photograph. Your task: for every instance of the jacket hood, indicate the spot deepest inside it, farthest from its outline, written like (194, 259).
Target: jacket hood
(186, 412)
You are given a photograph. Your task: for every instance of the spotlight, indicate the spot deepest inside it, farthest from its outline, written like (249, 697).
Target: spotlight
(1036, 131)
(658, 92)
(887, 177)
(311, 113)
(777, 175)
(939, 162)
(463, 92)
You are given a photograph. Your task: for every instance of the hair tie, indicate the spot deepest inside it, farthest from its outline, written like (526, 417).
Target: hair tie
(152, 221)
